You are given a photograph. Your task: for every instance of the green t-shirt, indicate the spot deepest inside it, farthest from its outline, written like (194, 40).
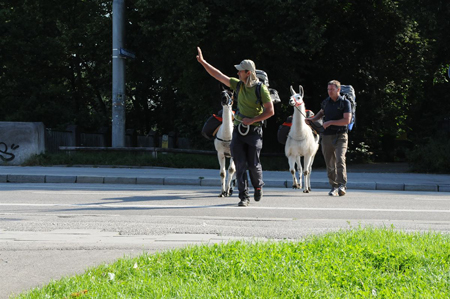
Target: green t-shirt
(247, 101)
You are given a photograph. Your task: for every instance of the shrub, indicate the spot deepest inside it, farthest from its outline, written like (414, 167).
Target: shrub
(432, 156)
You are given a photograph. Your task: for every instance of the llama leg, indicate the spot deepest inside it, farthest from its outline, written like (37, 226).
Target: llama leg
(300, 172)
(222, 161)
(231, 177)
(310, 171)
(307, 174)
(291, 160)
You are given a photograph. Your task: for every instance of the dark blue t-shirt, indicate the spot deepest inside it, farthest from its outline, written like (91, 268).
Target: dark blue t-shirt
(334, 111)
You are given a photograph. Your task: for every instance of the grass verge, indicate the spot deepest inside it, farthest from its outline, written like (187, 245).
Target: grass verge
(177, 160)
(359, 263)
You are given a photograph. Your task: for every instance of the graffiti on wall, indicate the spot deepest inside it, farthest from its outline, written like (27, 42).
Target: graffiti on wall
(4, 154)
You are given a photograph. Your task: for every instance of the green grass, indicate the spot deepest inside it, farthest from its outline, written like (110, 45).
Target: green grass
(177, 160)
(359, 263)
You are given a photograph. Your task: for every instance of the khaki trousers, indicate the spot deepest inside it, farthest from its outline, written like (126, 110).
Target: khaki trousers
(334, 148)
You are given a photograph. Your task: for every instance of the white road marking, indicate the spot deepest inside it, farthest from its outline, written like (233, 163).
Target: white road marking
(125, 193)
(433, 198)
(224, 206)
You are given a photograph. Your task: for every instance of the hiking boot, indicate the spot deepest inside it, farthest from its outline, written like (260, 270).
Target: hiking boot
(333, 191)
(342, 190)
(244, 202)
(258, 194)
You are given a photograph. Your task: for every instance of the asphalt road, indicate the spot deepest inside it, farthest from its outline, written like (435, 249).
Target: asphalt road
(48, 231)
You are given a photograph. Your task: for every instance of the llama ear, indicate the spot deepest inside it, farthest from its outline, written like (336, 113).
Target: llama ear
(300, 90)
(292, 91)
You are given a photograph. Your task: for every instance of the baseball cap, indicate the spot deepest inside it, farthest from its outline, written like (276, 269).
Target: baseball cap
(246, 65)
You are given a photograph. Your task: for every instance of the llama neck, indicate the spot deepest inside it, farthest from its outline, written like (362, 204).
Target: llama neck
(298, 122)
(227, 122)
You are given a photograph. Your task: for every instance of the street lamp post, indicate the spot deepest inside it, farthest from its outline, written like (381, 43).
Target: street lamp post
(118, 75)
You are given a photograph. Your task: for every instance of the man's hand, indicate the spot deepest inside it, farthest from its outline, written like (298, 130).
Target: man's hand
(200, 56)
(327, 124)
(215, 73)
(247, 121)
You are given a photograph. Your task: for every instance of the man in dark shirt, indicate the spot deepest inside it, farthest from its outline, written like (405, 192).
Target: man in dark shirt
(337, 114)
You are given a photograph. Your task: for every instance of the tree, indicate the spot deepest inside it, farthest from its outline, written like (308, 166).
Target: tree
(56, 62)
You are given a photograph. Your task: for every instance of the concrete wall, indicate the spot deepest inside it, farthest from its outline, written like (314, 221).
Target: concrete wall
(20, 140)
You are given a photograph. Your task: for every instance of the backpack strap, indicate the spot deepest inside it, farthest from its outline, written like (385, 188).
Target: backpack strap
(325, 103)
(236, 92)
(257, 91)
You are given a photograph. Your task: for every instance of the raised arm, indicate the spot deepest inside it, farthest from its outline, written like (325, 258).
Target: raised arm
(218, 75)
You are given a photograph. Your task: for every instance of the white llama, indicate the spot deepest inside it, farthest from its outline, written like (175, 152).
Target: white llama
(301, 142)
(222, 145)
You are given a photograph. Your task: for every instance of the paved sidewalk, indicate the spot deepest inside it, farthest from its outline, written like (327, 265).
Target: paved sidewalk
(363, 177)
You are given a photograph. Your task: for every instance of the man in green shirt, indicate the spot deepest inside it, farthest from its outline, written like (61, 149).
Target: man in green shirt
(247, 134)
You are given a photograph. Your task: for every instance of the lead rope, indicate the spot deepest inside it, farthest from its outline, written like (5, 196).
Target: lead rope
(309, 124)
(296, 107)
(240, 128)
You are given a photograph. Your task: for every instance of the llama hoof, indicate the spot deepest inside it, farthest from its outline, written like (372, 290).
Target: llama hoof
(230, 192)
(306, 191)
(223, 194)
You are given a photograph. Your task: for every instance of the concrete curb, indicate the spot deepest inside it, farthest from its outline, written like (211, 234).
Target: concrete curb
(60, 179)
(120, 180)
(444, 188)
(423, 187)
(211, 182)
(390, 186)
(25, 178)
(150, 181)
(90, 180)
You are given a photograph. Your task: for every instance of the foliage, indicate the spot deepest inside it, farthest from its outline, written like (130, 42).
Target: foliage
(56, 61)
(359, 153)
(359, 263)
(431, 156)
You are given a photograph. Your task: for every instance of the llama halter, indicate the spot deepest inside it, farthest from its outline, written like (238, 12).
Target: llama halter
(296, 101)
